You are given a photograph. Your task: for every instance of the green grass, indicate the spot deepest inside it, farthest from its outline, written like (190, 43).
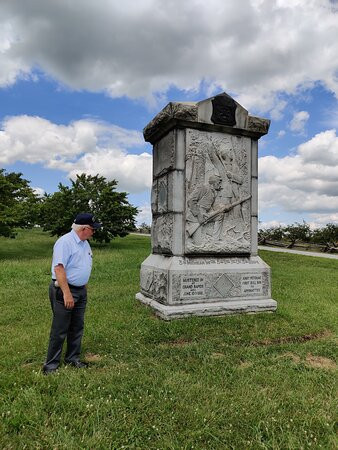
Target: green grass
(237, 382)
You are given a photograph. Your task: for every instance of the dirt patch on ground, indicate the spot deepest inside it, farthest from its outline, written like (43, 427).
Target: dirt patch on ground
(92, 357)
(245, 365)
(293, 339)
(289, 355)
(217, 355)
(319, 362)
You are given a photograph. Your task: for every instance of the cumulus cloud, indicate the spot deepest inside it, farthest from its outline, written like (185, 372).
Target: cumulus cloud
(83, 146)
(144, 215)
(254, 49)
(39, 191)
(298, 122)
(304, 183)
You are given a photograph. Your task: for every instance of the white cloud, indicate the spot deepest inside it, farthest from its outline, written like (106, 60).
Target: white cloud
(39, 191)
(322, 149)
(320, 220)
(133, 172)
(144, 215)
(304, 183)
(83, 146)
(298, 122)
(281, 133)
(253, 48)
(270, 224)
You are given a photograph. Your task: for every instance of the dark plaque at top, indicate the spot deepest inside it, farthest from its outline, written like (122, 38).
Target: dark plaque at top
(223, 110)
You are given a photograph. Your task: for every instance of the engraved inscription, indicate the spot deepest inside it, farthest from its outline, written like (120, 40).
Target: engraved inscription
(252, 284)
(192, 286)
(218, 261)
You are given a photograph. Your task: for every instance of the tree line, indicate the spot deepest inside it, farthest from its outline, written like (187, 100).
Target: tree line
(300, 233)
(21, 207)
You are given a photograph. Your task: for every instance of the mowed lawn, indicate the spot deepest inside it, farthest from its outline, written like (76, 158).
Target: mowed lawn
(236, 382)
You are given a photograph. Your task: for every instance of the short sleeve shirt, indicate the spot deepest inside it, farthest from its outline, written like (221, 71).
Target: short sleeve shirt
(76, 257)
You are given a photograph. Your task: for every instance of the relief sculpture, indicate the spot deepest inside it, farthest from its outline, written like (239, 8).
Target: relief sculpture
(218, 194)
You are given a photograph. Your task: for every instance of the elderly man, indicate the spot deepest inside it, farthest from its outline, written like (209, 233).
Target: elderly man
(71, 267)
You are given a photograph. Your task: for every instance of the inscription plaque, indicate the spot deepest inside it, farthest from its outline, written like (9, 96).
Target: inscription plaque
(252, 284)
(192, 286)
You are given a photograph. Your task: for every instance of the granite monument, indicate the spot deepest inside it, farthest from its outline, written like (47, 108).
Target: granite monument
(204, 257)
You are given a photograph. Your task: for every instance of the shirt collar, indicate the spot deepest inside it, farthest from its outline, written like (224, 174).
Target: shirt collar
(76, 237)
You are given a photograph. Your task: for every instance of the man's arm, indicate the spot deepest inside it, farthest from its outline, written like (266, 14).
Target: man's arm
(61, 277)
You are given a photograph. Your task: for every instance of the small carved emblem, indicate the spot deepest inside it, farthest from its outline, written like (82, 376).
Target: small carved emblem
(224, 110)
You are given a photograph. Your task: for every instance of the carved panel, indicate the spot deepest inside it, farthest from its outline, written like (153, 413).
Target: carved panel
(162, 184)
(146, 282)
(164, 154)
(160, 286)
(154, 209)
(218, 195)
(162, 233)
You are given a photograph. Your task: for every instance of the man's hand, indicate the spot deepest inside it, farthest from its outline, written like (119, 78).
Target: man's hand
(68, 300)
(62, 280)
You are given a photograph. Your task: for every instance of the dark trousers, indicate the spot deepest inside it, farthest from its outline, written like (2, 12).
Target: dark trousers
(66, 323)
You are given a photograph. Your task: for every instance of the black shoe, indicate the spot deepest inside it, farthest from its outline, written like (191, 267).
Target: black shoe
(77, 364)
(47, 371)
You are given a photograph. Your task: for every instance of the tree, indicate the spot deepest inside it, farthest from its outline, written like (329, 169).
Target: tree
(144, 228)
(92, 194)
(19, 205)
(327, 235)
(273, 233)
(297, 232)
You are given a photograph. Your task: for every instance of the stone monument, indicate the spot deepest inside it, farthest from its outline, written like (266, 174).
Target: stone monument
(204, 205)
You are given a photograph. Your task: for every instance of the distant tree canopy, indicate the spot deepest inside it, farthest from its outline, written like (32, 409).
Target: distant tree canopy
(89, 194)
(301, 232)
(19, 205)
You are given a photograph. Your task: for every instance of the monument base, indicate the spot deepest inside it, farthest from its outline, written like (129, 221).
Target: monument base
(169, 312)
(177, 287)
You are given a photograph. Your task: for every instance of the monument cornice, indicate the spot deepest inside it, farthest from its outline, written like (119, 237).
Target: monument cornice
(165, 126)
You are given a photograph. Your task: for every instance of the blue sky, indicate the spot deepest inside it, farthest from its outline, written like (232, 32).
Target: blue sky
(79, 81)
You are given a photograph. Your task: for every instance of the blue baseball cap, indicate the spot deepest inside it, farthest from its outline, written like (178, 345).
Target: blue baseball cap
(87, 219)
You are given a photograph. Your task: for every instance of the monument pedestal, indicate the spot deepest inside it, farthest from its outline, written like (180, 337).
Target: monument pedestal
(205, 212)
(177, 287)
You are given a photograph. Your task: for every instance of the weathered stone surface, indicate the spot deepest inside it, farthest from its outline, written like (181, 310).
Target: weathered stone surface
(169, 312)
(206, 279)
(258, 124)
(210, 155)
(164, 154)
(205, 205)
(183, 111)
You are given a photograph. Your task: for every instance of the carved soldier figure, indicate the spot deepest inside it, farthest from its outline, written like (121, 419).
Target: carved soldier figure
(200, 206)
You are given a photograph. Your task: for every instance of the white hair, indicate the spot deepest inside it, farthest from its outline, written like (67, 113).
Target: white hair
(77, 227)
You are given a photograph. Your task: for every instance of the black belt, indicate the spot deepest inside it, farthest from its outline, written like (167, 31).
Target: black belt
(72, 285)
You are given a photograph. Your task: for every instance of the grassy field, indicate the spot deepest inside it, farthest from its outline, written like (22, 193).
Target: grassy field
(236, 382)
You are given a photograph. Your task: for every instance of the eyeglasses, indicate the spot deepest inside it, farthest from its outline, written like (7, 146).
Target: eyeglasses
(90, 228)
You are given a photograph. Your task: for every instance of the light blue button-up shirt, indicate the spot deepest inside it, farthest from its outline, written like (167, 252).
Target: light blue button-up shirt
(75, 256)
